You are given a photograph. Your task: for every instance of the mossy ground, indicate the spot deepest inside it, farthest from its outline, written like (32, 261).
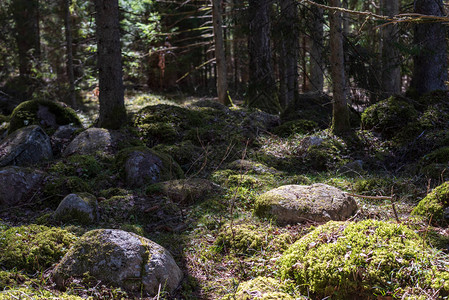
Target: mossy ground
(220, 245)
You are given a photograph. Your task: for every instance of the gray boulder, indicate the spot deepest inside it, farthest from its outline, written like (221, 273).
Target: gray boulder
(18, 184)
(89, 142)
(144, 166)
(291, 204)
(122, 259)
(80, 208)
(26, 146)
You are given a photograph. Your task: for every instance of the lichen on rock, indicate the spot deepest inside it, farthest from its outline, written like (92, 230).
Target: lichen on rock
(291, 204)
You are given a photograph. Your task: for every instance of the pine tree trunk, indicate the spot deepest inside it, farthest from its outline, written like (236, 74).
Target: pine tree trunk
(222, 83)
(316, 49)
(391, 71)
(340, 113)
(112, 107)
(69, 51)
(262, 87)
(430, 64)
(288, 62)
(26, 17)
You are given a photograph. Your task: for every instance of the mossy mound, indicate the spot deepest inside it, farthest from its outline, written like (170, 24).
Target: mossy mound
(244, 239)
(347, 260)
(433, 205)
(261, 288)
(84, 166)
(389, 116)
(47, 114)
(33, 247)
(164, 123)
(297, 126)
(9, 279)
(189, 156)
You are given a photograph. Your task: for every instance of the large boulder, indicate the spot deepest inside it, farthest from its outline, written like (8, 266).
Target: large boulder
(142, 166)
(122, 259)
(81, 208)
(45, 113)
(17, 184)
(291, 204)
(26, 146)
(89, 142)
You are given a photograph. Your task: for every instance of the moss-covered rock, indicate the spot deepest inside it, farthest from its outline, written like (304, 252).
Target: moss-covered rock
(165, 123)
(243, 239)
(261, 288)
(122, 259)
(297, 126)
(347, 260)
(56, 188)
(33, 247)
(81, 208)
(291, 204)
(189, 156)
(432, 207)
(389, 116)
(47, 114)
(84, 166)
(140, 166)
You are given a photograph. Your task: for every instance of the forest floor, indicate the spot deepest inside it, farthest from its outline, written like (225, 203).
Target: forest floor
(212, 234)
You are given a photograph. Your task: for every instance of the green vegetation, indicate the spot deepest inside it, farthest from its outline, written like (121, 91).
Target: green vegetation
(433, 205)
(32, 247)
(364, 259)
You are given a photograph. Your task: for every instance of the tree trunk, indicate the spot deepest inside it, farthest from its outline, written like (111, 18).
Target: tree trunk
(26, 17)
(288, 62)
(391, 71)
(222, 83)
(340, 113)
(69, 51)
(262, 87)
(112, 107)
(316, 49)
(430, 64)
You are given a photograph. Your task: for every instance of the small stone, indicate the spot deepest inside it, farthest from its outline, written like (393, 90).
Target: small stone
(80, 208)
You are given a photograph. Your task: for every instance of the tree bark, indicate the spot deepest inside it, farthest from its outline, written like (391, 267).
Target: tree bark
(262, 87)
(220, 57)
(69, 51)
(316, 49)
(391, 71)
(112, 108)
(430, 64)
(340, 113)
(26, 17)
(288, 62)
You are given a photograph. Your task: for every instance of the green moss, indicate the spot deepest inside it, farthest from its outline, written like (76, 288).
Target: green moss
(33, 247)
(165, 123)
(244, 239)
(440, 155)
(84, 166)
(345, 260)
(115, 191)
(433, 205)
(261, 288)
(26, 293)
(389, 116)
(297, 126)
(185, 153)
(9, 279)
(133, 228)
(26, 114)
(56, 188)
(3, 119)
